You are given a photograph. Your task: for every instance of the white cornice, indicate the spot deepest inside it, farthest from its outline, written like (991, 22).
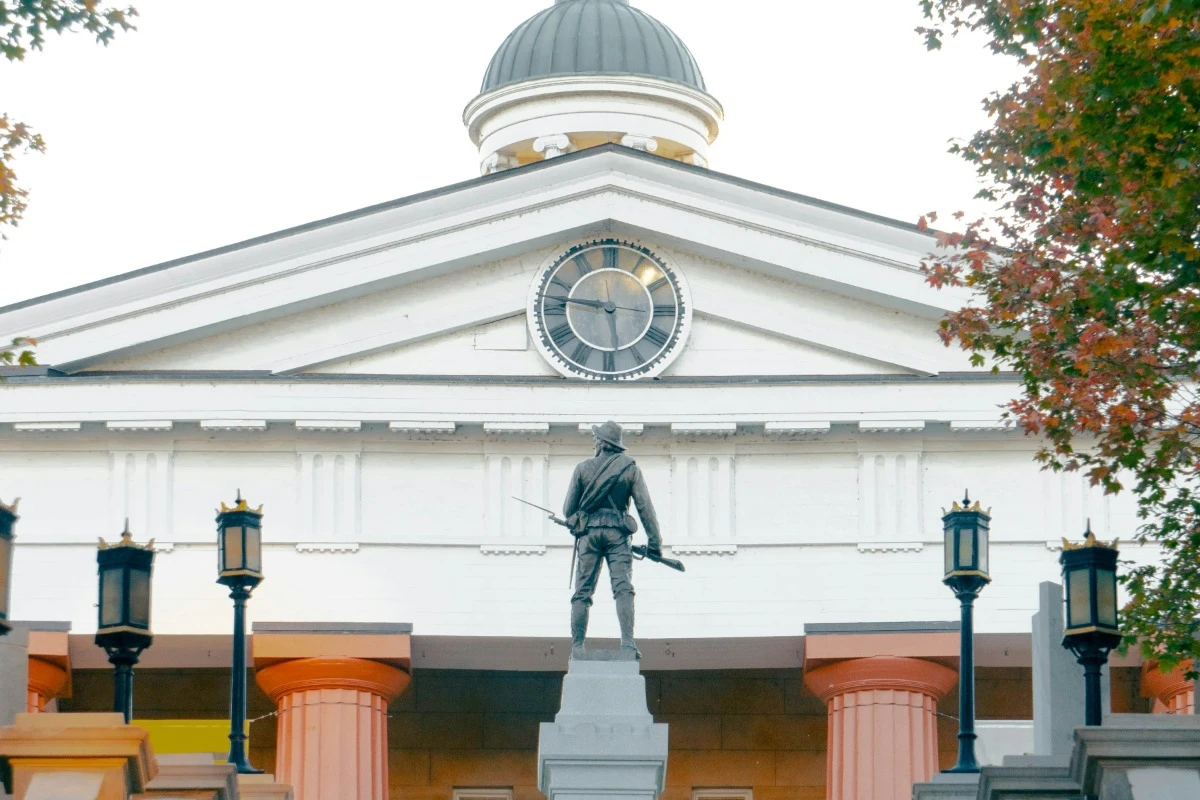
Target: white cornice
(507, 407)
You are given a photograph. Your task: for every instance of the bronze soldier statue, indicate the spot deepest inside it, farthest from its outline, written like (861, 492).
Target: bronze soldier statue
(596, 512)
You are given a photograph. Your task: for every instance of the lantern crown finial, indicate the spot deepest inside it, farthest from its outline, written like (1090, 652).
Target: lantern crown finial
(966, 505)
(1090, 540)
(13, 508)
(126, 540)
(239, 505)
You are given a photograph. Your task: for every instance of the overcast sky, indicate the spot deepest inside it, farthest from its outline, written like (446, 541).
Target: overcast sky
(219, 120)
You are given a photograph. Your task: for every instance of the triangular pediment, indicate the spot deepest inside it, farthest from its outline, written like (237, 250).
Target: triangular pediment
(439, 283)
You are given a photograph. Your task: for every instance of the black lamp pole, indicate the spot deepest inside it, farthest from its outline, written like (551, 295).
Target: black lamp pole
(1090, 578)
(239, 546)
(8, 518)
(966, 553)
(123, 629)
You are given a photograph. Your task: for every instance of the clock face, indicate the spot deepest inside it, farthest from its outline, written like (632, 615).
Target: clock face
(609, 310)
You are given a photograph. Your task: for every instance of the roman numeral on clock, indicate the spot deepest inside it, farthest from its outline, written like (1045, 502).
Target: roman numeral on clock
(637, 357)
(581, 261)
(559, 335)
(561, 283)
(610, 258)
(610, 361)
(656, 336)
(555, 309)
(666, 310)
(580, 356)
(658, 284)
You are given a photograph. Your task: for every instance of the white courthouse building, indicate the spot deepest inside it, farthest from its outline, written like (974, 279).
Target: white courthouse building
(383, 382)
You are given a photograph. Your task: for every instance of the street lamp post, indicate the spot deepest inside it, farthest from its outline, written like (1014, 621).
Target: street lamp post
(123, 628)
(966, 552)
(239, 548)
(8, 518)
(1090, 579)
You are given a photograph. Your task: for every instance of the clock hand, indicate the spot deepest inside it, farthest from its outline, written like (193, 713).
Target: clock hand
(597, 304)
(612, 326)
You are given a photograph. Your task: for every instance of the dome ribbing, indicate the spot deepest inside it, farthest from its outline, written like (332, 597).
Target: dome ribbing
(592, 37)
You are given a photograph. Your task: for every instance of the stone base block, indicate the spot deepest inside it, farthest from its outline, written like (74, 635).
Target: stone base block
(191, 776)
(603, 743)
(948, 786)
(73, 745)
(262, 787)
(1139, 757)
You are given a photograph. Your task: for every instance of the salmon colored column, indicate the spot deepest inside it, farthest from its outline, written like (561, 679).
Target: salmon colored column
(49, 667)
(882, 724)
(1172, 693)
(46, 682)
(332, 727)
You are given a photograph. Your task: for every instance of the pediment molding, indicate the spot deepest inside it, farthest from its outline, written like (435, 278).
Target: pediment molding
(475, 223)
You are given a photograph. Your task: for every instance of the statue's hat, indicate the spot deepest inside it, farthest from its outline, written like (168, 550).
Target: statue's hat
(609, 433)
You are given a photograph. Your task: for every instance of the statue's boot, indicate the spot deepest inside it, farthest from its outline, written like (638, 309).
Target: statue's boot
(579, 622)
(625, 620)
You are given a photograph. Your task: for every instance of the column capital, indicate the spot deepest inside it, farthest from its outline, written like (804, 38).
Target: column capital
(337, 672)
(49, 665)
(1171, 689)
(46, 682)
(881, 672)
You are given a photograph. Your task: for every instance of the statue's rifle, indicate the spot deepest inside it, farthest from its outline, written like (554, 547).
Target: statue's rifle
(639, 551)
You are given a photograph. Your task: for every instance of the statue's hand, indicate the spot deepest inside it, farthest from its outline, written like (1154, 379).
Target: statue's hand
(654, 549)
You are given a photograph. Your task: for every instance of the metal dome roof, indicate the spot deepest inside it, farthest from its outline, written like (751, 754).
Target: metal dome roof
(590, 37)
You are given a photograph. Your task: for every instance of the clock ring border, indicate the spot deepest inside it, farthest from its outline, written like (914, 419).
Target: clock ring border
(665, 357)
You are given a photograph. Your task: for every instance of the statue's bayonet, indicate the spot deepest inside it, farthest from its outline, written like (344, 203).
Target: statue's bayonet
(557, 520)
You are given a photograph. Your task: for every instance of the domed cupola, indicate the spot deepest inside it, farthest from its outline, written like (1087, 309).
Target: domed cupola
(587, 72)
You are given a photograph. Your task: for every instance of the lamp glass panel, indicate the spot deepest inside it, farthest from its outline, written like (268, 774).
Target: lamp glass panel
(949, 549)
(139, 598)
(5, 574)
(966, 548)
(1079, 598)
(983, 549)
(112, 596)
(253, 549)
(1106, 598)
(233, 548)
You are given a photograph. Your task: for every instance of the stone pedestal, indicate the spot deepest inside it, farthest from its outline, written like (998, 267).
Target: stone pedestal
(97, 755)
(262, 787)
(332, 683)
(1029, 778)
(882, 724)
(603, 743)
(193, 776)
(14, 674)
(947, 786)
(1139, 757)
